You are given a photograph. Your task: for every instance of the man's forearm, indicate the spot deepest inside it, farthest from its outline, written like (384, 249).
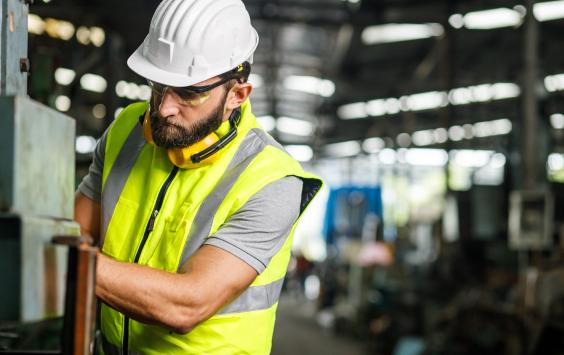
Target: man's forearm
(148, 295)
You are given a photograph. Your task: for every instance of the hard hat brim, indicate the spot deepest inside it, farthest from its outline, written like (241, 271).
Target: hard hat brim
(146, 69)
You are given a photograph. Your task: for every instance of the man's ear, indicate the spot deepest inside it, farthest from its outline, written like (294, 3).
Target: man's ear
(238, 94)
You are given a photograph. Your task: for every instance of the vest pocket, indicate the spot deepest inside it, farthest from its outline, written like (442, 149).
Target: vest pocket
(118, 243)
(168, 246)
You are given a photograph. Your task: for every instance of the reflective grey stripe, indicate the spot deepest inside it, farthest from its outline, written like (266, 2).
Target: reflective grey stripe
(118, 176)
(252, 145)
(111, 349)
(256, 298)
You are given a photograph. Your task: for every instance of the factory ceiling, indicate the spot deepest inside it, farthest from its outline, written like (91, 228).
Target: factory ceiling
(316, 57)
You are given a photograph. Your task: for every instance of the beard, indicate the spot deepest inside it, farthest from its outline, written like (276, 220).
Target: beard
(168, 134)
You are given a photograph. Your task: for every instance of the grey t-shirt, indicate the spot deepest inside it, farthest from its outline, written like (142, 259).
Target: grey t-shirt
(255, 233)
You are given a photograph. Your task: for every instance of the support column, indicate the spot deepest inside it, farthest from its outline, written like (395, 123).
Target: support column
(530, 165)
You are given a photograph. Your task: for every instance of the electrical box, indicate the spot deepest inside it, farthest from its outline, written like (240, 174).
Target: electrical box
(530, 220)
(38, 163)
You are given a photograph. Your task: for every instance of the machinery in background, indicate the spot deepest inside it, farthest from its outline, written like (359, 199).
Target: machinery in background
(36, 204)
(478, 279)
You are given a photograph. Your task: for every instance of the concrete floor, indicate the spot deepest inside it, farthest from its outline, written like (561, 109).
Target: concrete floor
(297, 332)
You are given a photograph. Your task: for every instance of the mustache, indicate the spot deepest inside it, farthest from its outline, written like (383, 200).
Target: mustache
(157, 120)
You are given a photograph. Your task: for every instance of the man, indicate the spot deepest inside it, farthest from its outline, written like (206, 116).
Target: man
(193, 204)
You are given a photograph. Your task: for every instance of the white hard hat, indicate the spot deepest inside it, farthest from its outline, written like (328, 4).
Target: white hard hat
(190, 41)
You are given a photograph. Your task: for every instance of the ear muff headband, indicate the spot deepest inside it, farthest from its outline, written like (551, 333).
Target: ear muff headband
(205, 152)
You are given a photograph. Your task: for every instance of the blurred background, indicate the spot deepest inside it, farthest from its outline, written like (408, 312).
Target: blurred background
(438, 127)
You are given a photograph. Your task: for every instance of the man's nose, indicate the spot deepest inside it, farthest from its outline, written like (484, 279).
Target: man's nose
(169, 104)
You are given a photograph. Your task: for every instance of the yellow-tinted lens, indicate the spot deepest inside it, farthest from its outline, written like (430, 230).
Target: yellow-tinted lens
(197, 100)
(186, 96)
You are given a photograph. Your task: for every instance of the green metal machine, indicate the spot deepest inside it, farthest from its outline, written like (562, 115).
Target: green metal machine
(37, 173)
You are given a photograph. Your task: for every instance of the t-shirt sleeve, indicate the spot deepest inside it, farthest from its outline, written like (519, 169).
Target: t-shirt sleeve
(257, 231)
(91, 185)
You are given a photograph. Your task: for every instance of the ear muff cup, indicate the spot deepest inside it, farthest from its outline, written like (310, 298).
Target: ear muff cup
(184, 157)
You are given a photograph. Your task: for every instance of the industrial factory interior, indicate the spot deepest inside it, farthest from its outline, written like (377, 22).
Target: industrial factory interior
(430, 208)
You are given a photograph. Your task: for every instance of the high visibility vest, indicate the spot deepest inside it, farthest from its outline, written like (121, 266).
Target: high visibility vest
(195, 202)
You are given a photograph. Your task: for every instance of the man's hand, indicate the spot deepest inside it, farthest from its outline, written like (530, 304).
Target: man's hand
(211, 279)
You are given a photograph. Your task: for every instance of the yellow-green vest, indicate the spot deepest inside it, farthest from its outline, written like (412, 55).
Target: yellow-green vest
(196, 202)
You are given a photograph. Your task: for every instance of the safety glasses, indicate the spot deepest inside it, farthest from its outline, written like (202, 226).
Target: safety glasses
(189, 95)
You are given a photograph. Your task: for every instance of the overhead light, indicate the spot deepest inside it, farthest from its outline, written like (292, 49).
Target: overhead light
(400, 32)
(483, 93)
(145, 92)
(403, 140)
(501, 91)
(62, 103)
(381, 107)
(294, 126)
(99, 111)
(423, 138)
(497, 161)
(492, 128)
(301, 153)
(35, 24)
(456, 133)
(374, 108)
(427, 101)
(65, 30)
(121, 87)
(267, 122)
(352, 111)
(83, 35)
(550, 10)
(437, 99)
(555, 162)
(456, 21)
(64, 76)
(502, 126)
(59, 29)
(554, 82)
(132, 91)
(343, 149)
(387, 156)
(256, 80)
(468, 131)
(85, 144)
(440, 135)
(557, 121)
(392, 106)
(494, 18)
(482, 129)
(310, 85)
(471, 158)
(426, 157)
(373, 145)
(97, 36)
(460, 96)
(93, 82)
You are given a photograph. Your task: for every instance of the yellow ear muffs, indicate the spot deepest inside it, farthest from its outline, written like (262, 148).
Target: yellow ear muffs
(147, 132)
(183, 157)
(205, 152)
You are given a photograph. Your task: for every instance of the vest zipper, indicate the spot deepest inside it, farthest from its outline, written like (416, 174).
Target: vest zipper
(148, 230)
